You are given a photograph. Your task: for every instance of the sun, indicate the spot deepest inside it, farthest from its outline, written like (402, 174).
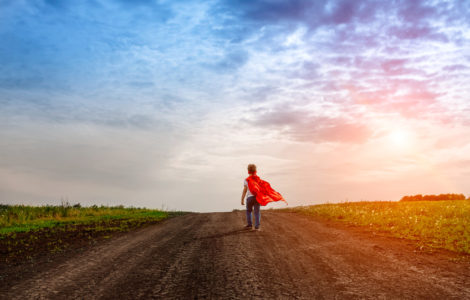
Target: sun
(399, 138)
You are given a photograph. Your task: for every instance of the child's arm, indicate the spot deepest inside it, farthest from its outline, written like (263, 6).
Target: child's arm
(243, 195)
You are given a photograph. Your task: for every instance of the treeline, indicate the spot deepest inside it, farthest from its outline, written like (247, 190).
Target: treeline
(440, 197)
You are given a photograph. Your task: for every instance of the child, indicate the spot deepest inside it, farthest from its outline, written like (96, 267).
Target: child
(251, 202)
(258, 192)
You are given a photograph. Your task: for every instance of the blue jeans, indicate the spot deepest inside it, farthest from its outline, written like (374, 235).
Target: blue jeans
(250, 204)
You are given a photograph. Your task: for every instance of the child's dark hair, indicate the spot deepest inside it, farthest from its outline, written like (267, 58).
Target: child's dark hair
(251, 168)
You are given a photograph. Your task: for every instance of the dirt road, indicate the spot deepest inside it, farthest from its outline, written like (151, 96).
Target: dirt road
(199, 256)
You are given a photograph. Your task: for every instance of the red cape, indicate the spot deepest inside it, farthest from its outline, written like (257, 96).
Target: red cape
(262, 190)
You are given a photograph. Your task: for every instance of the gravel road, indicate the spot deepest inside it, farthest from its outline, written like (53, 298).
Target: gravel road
(210, 256)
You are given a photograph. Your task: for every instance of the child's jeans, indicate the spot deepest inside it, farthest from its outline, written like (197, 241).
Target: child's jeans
(250, 204)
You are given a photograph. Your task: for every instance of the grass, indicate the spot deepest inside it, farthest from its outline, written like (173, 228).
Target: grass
(436, 224)
(30, 232)
(20, 218)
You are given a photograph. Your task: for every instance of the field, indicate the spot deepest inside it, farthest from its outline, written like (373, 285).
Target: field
(432, 224)
(212, 256)
(27, 232)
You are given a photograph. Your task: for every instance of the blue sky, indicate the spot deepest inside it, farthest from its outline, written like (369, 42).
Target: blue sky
(164, 103)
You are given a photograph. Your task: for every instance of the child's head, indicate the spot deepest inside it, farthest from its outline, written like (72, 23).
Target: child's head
(251, 168)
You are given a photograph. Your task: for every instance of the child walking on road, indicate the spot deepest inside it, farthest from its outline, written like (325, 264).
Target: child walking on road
(258, 192)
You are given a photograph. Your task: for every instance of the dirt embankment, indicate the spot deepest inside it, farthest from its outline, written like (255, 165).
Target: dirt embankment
(210, 256)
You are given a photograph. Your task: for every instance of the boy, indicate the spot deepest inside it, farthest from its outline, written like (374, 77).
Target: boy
(251, 201)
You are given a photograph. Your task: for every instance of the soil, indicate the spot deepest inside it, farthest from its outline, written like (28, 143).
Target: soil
(16, 248)
(211, 256)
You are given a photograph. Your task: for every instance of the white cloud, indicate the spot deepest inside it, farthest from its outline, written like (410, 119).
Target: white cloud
(166, 104)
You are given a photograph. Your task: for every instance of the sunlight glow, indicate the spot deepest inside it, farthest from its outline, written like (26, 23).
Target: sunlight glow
(400, 138)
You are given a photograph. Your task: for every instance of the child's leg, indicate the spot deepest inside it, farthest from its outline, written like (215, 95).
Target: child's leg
(249, 209)
(257, 214)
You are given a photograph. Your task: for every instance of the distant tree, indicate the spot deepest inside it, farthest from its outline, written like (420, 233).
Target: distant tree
(440, 197)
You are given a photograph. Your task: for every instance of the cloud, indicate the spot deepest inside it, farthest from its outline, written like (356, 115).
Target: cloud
(67, 44)
(304, 125)
(21, 83)
(315, 14)
(336, 130)
(269, 11)
(39, 108)
(232, 60)
(411, 32)
(225, 78)
(310, 13)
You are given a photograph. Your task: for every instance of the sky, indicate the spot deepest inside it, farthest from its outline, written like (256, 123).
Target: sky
(163, 104)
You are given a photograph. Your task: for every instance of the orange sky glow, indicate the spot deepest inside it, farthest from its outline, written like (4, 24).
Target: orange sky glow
(164, 104)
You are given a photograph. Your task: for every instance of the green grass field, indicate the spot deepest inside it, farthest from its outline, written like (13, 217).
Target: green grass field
(29, 232)
(20, 218)
(435, 224)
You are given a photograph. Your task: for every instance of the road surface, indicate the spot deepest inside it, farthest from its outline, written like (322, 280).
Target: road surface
(210, 256)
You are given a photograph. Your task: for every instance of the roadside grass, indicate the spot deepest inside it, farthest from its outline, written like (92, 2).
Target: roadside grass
(19, 218)
(27, 232)
(434, 224)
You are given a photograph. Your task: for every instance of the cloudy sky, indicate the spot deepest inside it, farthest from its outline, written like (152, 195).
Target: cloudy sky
(163, 103)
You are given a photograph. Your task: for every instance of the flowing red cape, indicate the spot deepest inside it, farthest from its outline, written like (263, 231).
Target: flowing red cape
(262, 190)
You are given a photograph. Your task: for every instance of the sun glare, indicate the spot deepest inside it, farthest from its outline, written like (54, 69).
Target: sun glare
(399, 138)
